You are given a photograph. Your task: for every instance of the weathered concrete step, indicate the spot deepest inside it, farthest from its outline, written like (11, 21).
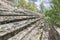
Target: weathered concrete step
(13, 25)
(9, 2)
(27, 12)
(32, 34)
(36, 32)
(25, 32)
(18, 23)
(9, 26)
(57, 29)
(57, 33)
(9, 18)
(10, 21)
(54, 35)
(13, 12)
(5, 5)
(13, 32)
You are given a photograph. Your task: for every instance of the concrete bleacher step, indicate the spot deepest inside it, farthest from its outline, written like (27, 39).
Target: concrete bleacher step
(12, 32)
(8, 19)
(15, 12)
(33, 33)
(53, 33)
(25, 32)
(19, 23)
(5, 5)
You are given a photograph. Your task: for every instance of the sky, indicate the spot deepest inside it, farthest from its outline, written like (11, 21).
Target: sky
(45, 2)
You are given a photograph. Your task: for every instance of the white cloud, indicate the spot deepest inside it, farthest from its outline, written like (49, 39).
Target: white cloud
(39, 1)
(47, 5)
(26, 0)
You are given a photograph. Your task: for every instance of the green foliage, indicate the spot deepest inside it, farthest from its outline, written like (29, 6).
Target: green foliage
(53, 14)
(28, 5)
(31, 6)
(56, 7)
(22, 3)
(49, 15)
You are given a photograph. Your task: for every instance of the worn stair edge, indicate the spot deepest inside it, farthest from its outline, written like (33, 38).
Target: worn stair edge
(54, 34)
(6, 12)
(13, 25)
(57, 29)
(6, 22)
(36, 26)
(28, 30)
(22, 9)
(9, 18)
(9, 3)
(14, 32)
(6, 5)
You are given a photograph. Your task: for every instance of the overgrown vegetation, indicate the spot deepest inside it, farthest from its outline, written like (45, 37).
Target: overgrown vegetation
(52, 14)
(28, 5)
(56, 8)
